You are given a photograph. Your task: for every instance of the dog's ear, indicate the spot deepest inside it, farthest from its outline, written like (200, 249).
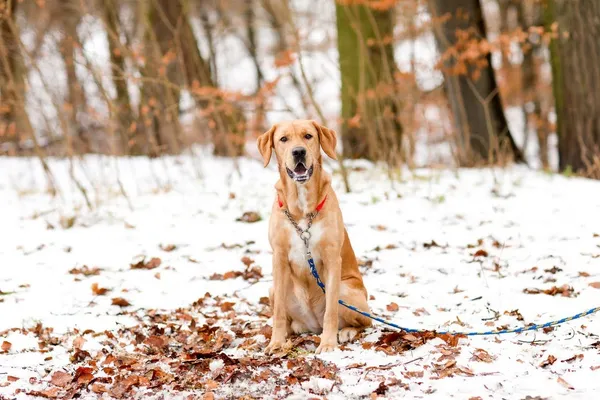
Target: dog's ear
(265, 144)
(327, 138)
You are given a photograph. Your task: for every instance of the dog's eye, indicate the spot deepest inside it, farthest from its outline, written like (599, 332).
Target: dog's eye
(308, 136)
(283, 139)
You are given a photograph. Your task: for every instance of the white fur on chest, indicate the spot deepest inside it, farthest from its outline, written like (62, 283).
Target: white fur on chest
(297, 254)
(302, 200)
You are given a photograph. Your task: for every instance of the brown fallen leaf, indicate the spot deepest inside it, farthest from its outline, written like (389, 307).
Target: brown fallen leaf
(227, 306)
(482, 355)
(156, 341)
(51, 393)
(11, 378)
(466, 371)
(410, 337)
(356, 365)
(83, 375)
(142, 264)
(451, 340)
(78, 342)
(252, 274)
(98, 388)
(247, 261)
(5, 346)
(595, 285)
(413, 374)
(249, 217)
(79, 356)
(564, 290)
(420, 311)
(565, 383)
(231, 275)
(392, 307)
(381, 390)
(480, 253)
(210, 384)
(515, 313)
(264, 301)
(431, 244)
(121, 302)
(168, 247)
(548, 361)
(573, 358)
(86, 271)
(99, 291)
(553, 270)
(61, 379)
(121, 387)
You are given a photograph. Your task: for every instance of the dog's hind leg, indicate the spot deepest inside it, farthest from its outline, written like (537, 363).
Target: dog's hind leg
(348, 334)
(353, 293)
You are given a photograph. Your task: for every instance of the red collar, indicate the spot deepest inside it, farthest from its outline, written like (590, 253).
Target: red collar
(319, 206)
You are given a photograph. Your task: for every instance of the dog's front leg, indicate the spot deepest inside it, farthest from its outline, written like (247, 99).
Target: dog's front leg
(278, 302)
(333, 269)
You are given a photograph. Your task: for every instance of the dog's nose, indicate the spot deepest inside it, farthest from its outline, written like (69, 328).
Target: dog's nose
(299, 152)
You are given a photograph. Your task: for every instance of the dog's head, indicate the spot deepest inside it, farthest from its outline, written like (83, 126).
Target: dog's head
(297, 147)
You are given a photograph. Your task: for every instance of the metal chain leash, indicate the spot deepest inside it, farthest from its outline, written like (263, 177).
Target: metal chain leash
(303, 233)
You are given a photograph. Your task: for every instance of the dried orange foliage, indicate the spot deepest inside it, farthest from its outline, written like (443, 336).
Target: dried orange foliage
(379, 5)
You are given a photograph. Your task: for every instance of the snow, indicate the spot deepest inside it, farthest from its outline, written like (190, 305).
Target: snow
(416, 237)
(522, 218)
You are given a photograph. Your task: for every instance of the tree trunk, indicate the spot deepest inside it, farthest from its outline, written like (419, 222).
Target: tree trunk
(482, 131)
(177, 61)
(159, 105)
(225, 119)
(258, 122)
(529, 15)
(75, 103)
(370, 107)
(14, 121)
(121, 108)
(575, 56)
(276, 10)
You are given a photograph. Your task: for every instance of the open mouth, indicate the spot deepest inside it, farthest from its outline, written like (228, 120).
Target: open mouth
(300, 173)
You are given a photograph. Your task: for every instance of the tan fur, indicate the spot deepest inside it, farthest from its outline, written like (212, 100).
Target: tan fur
(298, 303)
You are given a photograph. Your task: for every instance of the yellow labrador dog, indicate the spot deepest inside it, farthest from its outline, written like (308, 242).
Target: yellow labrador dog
(299, 305)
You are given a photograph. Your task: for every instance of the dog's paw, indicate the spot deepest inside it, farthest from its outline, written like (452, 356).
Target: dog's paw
(274, 346)
(326, 348)
(327, 345)
(347, 334)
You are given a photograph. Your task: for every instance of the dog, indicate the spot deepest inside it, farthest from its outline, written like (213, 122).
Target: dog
(298, 303)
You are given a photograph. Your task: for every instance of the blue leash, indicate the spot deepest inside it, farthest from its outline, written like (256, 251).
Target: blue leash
(535, 327)
(305, 236)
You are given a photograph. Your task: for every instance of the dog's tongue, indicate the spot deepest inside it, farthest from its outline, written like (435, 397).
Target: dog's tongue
(300, 169)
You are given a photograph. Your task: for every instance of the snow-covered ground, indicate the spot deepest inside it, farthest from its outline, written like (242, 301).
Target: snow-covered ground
(197, 323)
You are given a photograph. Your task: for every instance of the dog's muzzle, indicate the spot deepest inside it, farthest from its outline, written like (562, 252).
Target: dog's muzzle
(300, 173)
